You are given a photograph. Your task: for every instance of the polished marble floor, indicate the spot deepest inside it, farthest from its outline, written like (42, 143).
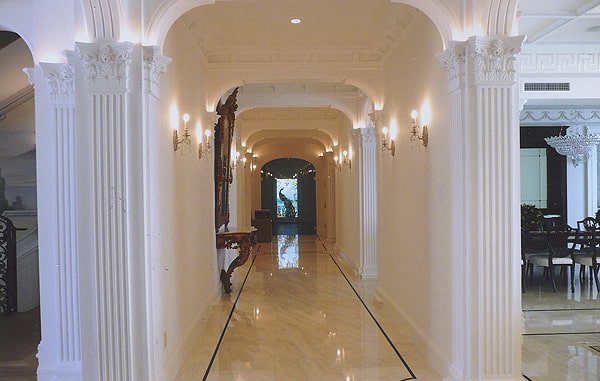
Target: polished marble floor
(291, 322)
(296, 314)
(561, 340)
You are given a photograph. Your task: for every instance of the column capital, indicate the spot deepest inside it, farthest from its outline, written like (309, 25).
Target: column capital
(155, 64)
(494, 58)
(365, 135)
(61, 82)
(453, 59)
(376, 117)
(106, 65)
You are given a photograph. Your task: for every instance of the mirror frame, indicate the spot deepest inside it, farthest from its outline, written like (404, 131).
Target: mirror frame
(222, 150)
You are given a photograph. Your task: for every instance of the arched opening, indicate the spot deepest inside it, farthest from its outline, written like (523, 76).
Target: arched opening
(288, 190)
(19, 295)
(310, 102)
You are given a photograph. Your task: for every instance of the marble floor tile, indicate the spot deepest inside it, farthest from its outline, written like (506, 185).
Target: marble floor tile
(561, 330)
(298, 317)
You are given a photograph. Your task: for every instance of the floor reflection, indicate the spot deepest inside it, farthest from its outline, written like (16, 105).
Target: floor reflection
(562, 330)
(287, 249)
(306, 324)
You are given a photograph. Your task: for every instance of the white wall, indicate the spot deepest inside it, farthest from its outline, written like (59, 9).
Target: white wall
(184, 256)
(414, 194)
(346, 202)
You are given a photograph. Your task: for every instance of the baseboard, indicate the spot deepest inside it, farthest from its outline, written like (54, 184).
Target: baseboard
(61, 373)
(173, 366)
(440, 363)
(345, 260)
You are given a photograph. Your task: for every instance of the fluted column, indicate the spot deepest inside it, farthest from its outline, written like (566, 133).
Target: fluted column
(59, 352)
(111, 205)
(246, 190)
(328, 181)
(485, 193)
(154, 66)
(366, 154)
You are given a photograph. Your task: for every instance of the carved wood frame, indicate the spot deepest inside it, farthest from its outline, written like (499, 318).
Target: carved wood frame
(223, 177)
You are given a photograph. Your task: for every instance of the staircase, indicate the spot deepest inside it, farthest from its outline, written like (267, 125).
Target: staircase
(8, 266)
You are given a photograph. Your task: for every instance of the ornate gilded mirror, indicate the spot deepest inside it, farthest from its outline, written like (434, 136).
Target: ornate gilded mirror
(223, 176)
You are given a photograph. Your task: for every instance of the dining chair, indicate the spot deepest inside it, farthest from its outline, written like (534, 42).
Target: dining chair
(559, 253)
(531, 245)
(587, 252)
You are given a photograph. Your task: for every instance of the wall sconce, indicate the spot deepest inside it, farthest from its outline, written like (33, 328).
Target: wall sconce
(337, 164)
(203, 147)
(252, 165)
(236, 160)
(347, 159)
(385, 146)
(424, 136)
(186, 134)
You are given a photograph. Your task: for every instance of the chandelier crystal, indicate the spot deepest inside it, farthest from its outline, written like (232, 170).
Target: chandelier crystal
(576, 147)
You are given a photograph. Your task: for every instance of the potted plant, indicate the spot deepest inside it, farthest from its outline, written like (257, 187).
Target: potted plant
(531, 217)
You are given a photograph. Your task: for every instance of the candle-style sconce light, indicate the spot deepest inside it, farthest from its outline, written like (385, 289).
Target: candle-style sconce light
(388, 145)
(252, 165)
(337, 163)
(203, 146)
(186, 134)
(347, 159)
(415, 134)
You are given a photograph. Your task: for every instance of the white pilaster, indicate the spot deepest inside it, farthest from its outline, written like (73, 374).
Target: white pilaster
(59, 352)
(155, 64)
(329, 191)
(485, 132)
(111, 210)
(245, 190)
(366, 154)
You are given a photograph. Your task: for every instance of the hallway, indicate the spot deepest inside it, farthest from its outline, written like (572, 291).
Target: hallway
(295, 313)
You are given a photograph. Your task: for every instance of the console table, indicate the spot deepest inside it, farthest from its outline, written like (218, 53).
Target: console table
(241, 238)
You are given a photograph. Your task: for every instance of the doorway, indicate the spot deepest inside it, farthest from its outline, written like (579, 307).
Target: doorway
(288, 190)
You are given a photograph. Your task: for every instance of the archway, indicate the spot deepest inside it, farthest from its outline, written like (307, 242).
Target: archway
(288, 190)
(20, 295)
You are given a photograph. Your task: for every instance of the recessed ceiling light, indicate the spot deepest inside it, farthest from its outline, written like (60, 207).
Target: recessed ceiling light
(295, 21)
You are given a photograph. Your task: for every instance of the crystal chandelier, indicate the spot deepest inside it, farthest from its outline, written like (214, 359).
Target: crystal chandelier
(576, 147)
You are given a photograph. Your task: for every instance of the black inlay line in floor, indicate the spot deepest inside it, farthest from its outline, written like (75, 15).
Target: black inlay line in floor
(564, 309)
(527, 378)
(214, 355)
(413, 376)
(561, 333)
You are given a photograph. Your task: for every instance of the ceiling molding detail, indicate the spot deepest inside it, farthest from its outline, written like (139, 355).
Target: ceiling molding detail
(559, 21)
(560, 63)
(341, 41)
(560, 116)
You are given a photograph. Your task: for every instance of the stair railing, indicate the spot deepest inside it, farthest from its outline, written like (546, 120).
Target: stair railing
(8, 266)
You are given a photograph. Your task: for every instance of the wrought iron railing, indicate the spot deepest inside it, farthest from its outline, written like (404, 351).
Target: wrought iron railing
(8, 266)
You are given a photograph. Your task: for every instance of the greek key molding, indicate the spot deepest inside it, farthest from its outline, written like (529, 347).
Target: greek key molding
(494, 58)
(106, 64)
(156, 65)
(559, 63)
(61, 82)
